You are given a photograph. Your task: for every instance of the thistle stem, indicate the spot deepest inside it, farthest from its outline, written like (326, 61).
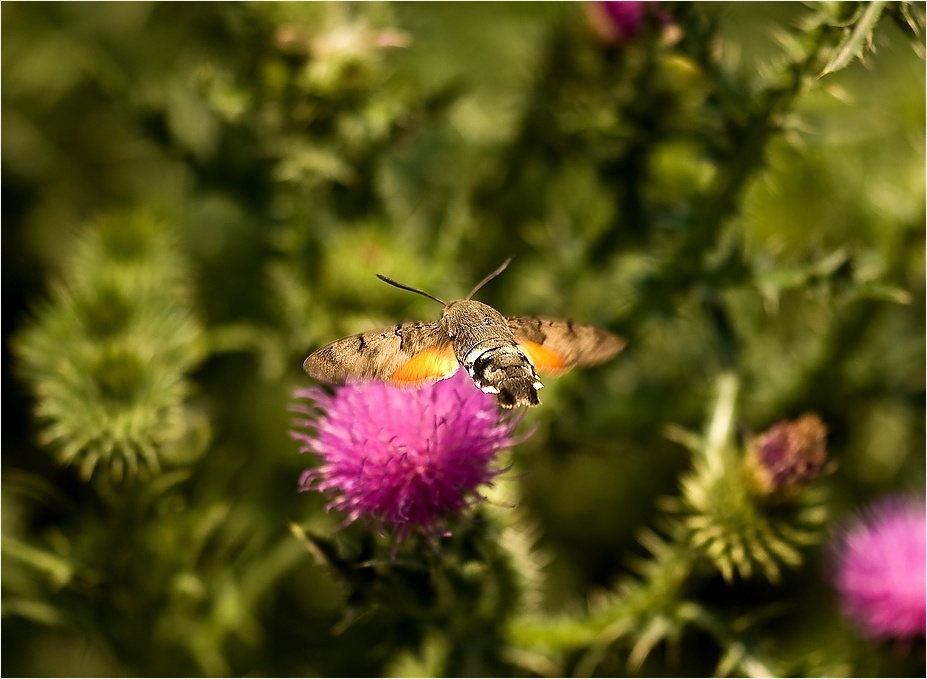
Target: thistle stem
(722, 419)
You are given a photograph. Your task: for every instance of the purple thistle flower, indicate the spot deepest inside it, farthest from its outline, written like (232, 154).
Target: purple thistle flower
(617, 23)
(624, 18)
(880, 569)
(406, 458)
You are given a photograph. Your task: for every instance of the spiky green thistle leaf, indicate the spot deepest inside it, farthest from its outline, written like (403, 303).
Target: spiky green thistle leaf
(858, 39)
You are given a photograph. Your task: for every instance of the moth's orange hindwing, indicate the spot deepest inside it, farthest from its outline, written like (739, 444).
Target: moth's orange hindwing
(556, 345)
(546, 361)
(427, 365)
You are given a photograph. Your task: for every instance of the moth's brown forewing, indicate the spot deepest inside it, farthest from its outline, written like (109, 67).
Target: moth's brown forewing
(555, 345)
(383, 354)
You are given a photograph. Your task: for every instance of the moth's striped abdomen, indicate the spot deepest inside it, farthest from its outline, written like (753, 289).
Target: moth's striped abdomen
(506, 372)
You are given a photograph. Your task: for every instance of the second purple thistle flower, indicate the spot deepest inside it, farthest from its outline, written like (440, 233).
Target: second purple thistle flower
(881, 569)
(405, 459)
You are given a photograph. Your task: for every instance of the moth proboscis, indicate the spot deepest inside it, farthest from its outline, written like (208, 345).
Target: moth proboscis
(503, 355)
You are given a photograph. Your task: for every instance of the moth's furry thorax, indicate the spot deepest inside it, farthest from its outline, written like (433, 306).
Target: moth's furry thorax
(489, 352)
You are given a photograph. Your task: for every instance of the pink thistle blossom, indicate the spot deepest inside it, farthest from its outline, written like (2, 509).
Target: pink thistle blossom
(623, 19)
(880, 569)
(617, 23)
(404, 458)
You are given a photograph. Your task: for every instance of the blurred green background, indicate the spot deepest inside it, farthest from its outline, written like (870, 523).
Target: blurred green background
(700, 188)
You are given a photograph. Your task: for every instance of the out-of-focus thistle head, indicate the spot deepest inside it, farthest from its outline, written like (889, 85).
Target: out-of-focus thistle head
(788, 456)
(881, 568)
(741, 531)
(618, 23)
(106, 357)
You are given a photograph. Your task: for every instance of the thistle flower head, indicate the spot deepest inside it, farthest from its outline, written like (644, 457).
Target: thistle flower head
(881, 566)
(107, 356)
(736, 528)
(622, 20)
(789, 455)
(408, 459)
(617, 23)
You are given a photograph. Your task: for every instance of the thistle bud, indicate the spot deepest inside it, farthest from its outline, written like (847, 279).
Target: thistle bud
(788, 456)
(107, 356)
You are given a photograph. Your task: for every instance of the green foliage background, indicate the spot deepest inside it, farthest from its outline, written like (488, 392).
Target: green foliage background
(197, 195)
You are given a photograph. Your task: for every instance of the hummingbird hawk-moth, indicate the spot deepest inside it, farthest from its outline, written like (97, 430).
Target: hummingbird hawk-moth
(502, 355)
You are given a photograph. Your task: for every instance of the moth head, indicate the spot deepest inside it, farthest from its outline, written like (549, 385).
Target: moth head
(465, 314)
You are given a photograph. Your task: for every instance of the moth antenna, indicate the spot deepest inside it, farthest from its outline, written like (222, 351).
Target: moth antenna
(403, 286)
(488, 278)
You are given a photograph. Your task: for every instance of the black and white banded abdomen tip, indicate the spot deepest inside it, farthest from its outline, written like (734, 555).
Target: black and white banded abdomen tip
(506, 372)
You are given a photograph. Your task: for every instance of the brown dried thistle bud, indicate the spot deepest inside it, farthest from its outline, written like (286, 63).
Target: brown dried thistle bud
(788, 456)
